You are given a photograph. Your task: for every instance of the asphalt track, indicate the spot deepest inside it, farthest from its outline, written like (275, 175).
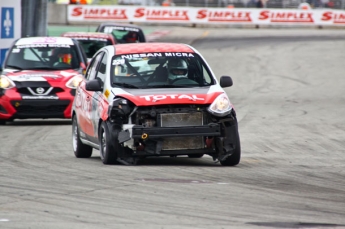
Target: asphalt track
(289, 95)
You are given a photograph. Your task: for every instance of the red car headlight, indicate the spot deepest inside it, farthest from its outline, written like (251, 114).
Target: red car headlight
(6, 83)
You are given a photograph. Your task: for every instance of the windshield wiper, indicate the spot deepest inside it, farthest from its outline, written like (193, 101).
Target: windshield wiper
(13, 66)
(125, 85)
(43, 68)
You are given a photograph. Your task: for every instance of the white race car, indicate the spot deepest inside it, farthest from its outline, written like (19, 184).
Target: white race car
(153, 99)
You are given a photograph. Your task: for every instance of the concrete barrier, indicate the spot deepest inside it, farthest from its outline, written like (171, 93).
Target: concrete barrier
(57, 14)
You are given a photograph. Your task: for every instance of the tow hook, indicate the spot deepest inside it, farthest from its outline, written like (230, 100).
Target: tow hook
(144, 136)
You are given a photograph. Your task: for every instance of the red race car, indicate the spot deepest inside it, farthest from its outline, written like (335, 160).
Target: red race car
(153, 99)
(91, 41)
(39, 78)
(123, 33)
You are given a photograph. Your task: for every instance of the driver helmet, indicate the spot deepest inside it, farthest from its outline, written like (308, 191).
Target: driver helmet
(64, 56)
(177, 68)
(131, 37)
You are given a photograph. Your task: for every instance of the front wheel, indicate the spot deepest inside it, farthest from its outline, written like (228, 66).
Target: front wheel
(232, 160)
(235, 157)
(107, 147)
(80, 150)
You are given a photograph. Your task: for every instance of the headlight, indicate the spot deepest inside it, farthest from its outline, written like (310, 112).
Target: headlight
(6, 83)
(221, 106)
(74, 82)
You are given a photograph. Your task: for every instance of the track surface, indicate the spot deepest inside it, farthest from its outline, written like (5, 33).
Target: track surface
(289, 93)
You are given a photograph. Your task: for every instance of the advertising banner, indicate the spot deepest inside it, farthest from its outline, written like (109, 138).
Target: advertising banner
(10, 24)
(194, 15)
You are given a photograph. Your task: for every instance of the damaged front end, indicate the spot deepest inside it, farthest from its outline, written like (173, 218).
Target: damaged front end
(171, 130)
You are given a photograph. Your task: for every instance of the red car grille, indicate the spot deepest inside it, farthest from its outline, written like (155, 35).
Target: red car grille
(40, 109)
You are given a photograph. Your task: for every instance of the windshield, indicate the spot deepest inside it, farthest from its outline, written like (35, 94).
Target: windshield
(124, 34)
(160, 70)
(43, 56)
(92, 45)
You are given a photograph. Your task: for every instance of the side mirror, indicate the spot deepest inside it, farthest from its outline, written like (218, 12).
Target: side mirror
(93, 85)
(225, 81)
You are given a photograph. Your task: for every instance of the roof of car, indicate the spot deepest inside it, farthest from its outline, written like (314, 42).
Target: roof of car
(87, 35)
(119, 24)
(44, 40)
(151, 47)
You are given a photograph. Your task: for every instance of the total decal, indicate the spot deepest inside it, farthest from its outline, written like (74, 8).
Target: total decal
(173, 98)
(155, 98)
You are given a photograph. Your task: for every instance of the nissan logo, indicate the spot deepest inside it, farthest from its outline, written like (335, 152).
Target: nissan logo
(40, 90)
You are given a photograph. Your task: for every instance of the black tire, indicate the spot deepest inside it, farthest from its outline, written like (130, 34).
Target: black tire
(2, 122)
(199, 155)
(80, 150)
(235, 157)
(107, 145)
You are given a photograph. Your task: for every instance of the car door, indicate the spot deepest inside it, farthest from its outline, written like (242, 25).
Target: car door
(98, 97)
(86, 100)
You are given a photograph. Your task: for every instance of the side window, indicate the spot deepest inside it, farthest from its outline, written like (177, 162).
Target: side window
(92, 69)
(207, 77)
(101, 74)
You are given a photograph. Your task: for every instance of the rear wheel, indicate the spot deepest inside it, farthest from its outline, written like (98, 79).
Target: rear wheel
(2, 122)
(107, 146)
(80, 150)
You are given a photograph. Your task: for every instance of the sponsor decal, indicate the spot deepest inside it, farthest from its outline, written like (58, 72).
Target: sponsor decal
(106, 93)
(165, 54)
(335, 17)
(155, 98)
(51, 97)
(109, 29)
(99, 13)
(224, 16)
(287, 16)
(90, 38)
(119, 62)
(29, 77)
(162, 14)
(43, 45)
(52, 41)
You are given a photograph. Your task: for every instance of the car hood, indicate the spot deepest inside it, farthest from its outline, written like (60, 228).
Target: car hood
(40, 75)
(164, 96)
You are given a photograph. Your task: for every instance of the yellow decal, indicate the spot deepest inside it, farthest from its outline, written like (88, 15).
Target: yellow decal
(107, 93)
